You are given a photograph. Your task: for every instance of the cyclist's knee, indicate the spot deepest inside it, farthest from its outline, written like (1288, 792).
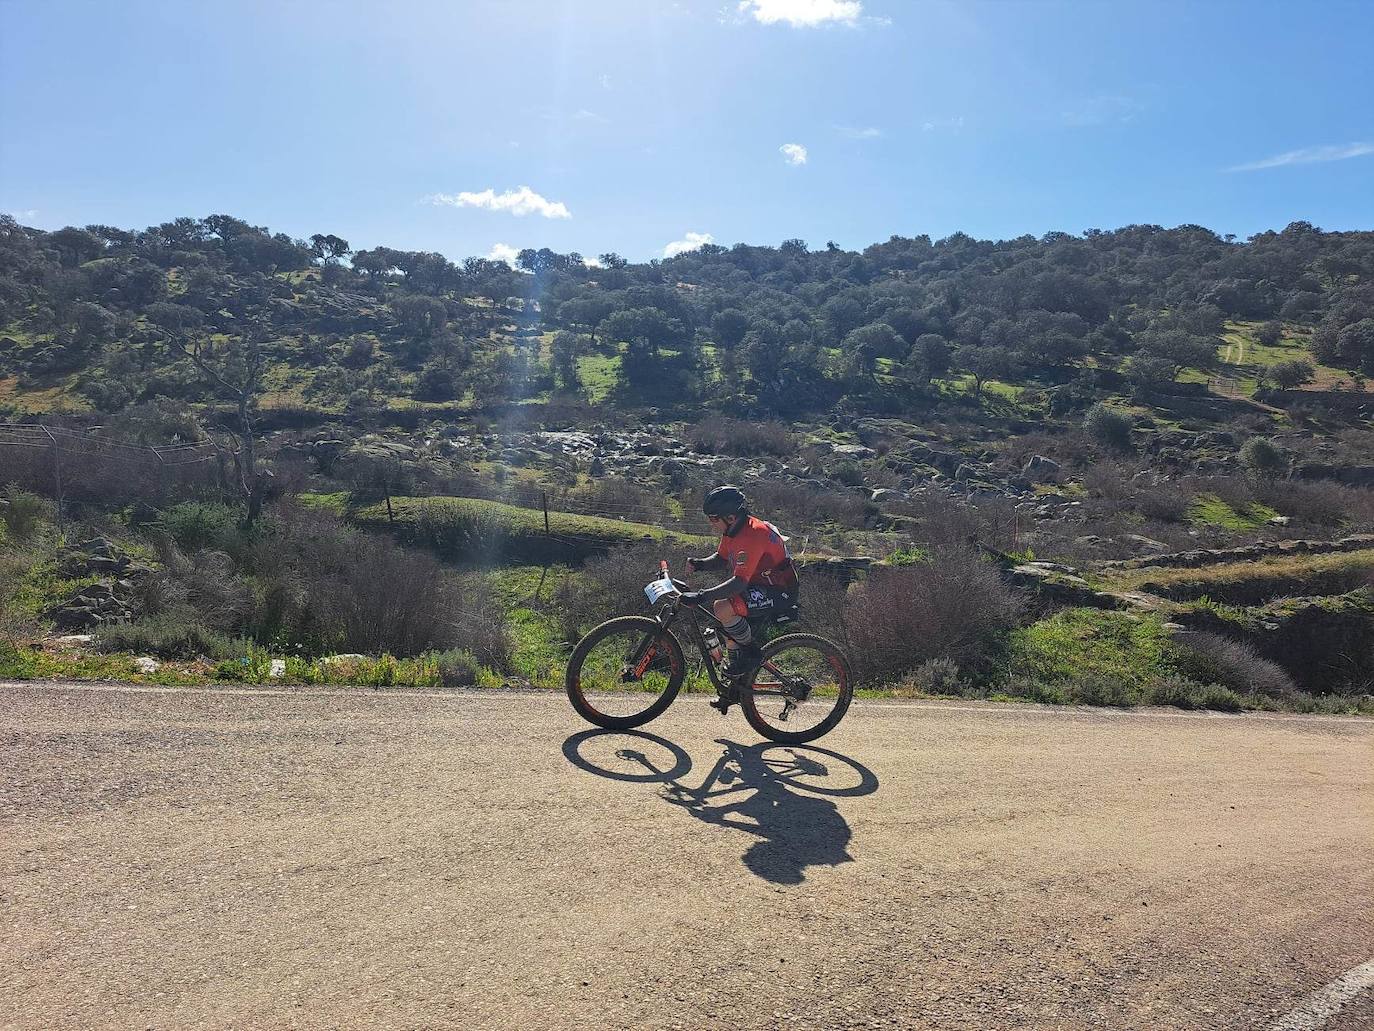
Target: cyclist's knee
(724, 610)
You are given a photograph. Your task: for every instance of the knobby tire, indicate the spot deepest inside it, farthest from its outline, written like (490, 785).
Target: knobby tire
(837, 660)
(634, 629)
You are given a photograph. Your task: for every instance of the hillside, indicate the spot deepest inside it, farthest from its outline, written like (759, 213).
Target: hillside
(1070, 400)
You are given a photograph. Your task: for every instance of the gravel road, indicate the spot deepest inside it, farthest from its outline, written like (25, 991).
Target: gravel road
(348, 858)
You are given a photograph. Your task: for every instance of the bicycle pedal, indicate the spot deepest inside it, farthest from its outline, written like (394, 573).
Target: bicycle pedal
(721, 705)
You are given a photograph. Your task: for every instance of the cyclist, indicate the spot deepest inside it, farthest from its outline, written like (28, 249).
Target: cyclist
(763, 581)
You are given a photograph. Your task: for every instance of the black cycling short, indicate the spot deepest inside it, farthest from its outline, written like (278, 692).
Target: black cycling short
(766, 602)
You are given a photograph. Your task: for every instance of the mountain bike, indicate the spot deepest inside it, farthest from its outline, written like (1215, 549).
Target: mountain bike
(628, 670)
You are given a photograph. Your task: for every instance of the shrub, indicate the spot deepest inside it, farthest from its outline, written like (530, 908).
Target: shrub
(1293, 373)
(943, 524)
(13, 624)
(616, 498)
(320, 586)
(194, 525)
(1095, 689)
(1214, 696)
(1263, 457)
(1179, 692)
(1322, 502)
(848, 473)
(606, 585)
(167, 639)
(1164, 502)
(1213, 659)
(938, 676)
(23, 513)
(15, 663)
(953, 606)
(792, 506)
(1109, 427)
(718, 434)
(457, 668)
(205, 582)
(1032, 690)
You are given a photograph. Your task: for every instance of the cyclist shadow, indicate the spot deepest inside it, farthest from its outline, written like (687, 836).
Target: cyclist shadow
(783, 794)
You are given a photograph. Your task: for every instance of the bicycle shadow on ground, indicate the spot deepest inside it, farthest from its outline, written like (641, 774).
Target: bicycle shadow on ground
(783, 794)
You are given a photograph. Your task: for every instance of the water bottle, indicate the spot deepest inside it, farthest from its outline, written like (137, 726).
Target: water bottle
(712, 640)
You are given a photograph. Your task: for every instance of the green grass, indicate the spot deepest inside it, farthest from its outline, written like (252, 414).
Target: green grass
(491, 532)
(541, 654)
(336, 502)
(1078, 645)
(1210, 510)
(1241, 356)
(600, 375)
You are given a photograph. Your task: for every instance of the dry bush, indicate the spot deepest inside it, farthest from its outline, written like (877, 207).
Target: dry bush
(798, 508)
(204, 583)
(1213, 659)
(606, 586)
(943, 523)
(722, 435)
(1111, 480)
(1067, 449)
(322, 586)
(13, 625)
(1163, 502)
(1319, 502)
(1236, 491)
(954, 606)
(616, 498)
(824, 599)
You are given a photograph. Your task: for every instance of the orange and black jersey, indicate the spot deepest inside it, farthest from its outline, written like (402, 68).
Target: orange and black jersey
(757, 554)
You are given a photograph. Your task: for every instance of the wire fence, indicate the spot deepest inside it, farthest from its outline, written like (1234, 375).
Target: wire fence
(59, 439)
(69, 464)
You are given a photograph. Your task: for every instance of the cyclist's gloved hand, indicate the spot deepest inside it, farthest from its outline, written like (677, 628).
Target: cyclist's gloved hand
(690, 597)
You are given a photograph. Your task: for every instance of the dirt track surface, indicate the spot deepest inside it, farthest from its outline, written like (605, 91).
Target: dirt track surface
(358, 859)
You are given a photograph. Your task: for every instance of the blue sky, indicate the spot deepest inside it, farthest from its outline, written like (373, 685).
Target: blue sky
(640, 124)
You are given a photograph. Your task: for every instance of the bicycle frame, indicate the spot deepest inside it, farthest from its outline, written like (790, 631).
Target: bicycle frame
(667, 613)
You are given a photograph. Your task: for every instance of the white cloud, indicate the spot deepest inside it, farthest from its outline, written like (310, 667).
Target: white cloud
(943, 123)
(605, 81)
(592, 263)
(855, 132)
(503, 252)
(690, 242)
(522, 201)
(802, 13)
(1308, 156)
(582, 114)
(793, 153)
(26, 215)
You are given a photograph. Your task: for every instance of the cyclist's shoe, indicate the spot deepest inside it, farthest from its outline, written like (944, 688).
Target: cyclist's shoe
(742, 661)
(728, 696)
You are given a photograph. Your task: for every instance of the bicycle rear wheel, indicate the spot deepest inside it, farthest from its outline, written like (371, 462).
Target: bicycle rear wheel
(801, 691)
(625, 672)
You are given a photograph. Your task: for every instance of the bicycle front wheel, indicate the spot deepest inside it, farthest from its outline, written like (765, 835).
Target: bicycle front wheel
(625, 672)
(801, 691)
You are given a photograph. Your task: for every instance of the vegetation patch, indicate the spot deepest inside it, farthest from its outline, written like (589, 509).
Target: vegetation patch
(1210, 510)
(487, 533)
(1252, 583)
(1114, 655)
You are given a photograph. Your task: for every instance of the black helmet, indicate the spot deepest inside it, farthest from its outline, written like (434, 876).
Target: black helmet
(725, 501)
